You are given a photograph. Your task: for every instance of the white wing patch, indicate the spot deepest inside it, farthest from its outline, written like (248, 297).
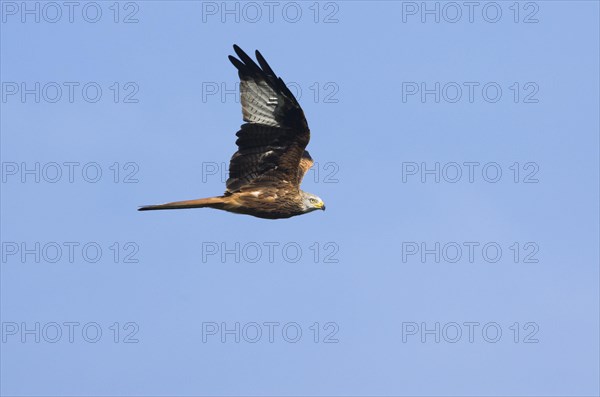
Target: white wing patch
(259, 102)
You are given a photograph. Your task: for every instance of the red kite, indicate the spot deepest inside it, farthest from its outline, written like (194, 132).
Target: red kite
(266, 171)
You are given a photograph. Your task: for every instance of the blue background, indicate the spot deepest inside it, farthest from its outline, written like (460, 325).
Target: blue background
(367, 134)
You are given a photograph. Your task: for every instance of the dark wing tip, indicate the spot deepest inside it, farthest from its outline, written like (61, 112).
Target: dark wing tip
(263, 64)
(247, 64)
(243, 56)
(236, 62)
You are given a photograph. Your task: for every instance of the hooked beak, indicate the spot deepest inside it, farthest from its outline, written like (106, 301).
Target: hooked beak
(323, 207)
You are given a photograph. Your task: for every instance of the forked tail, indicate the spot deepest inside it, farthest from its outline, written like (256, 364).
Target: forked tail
(211, 202)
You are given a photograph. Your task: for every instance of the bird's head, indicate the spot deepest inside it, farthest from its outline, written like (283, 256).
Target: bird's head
(312, 202)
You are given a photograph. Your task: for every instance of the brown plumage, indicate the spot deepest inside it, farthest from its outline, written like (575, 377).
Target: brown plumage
(266, 171)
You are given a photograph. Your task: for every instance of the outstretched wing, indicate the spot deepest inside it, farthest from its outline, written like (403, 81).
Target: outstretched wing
(271, 143)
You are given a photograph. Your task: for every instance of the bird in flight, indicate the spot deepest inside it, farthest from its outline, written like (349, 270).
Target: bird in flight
(266, 171)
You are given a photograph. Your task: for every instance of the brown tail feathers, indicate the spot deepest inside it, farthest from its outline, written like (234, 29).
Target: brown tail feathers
(212, 202)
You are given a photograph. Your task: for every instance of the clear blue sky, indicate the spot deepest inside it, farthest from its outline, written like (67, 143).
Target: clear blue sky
(520, 86)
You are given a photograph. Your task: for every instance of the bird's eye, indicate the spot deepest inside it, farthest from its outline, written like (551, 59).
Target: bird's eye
(312, 200)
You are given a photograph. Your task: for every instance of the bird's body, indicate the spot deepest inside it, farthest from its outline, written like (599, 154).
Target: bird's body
(270, 204)
(266, 171)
